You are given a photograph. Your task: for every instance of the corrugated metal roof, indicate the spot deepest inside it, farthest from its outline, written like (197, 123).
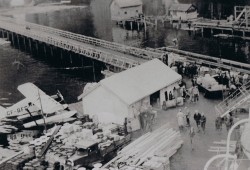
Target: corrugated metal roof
(139, 82)
(128, 3)
(180, 7)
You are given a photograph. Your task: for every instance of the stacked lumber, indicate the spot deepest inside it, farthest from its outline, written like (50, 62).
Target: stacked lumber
(150, 151)
(221, 147)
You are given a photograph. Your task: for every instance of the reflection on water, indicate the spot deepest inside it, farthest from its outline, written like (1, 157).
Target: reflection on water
(95, 21)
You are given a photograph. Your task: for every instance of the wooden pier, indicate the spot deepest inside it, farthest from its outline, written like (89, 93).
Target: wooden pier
(110, 53)
(113, 54)
(239, 26)
(206, 60)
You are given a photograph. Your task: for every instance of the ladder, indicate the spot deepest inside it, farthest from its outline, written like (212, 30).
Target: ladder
(236, 99)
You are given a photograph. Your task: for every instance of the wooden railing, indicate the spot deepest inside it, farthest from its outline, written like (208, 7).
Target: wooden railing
(209, 60)
(68, 44)
(239, 97)
(89, 40)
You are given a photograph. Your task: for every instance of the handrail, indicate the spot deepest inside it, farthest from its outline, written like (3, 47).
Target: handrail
(62, 42)
(94, 41)
(222, 63)
(237, 98)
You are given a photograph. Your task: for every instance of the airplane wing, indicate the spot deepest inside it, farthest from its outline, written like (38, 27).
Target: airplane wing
(61, 117)
(39, 98)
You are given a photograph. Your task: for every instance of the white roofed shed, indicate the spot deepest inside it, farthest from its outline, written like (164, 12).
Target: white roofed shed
(130, 92)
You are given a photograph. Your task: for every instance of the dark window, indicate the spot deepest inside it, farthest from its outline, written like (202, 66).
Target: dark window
(125, 12)
(136, 11)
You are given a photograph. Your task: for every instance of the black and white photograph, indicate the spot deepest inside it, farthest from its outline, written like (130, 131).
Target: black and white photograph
(124, 84)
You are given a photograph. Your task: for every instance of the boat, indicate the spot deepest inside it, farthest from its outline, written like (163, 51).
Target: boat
(210, 86)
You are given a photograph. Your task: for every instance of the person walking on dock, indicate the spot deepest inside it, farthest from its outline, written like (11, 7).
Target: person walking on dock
(197, 118)
(187, 116)
(191, 135)
(189, 25)
(229, 122)
(203, 122)
(196, 94)
(180, 119)
(218, 123)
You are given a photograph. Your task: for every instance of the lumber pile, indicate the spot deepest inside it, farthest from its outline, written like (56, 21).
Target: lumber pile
(150, 151)
(221, 147)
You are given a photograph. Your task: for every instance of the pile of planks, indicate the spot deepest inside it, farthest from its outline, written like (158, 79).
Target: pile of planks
(150, 151)
(221, 147)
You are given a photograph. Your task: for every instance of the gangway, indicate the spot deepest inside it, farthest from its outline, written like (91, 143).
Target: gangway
(242, 15)
(236, 99)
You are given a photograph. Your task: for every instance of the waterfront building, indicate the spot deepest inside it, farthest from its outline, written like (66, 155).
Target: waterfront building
(131, 92)
(122, 10)
(183, 12)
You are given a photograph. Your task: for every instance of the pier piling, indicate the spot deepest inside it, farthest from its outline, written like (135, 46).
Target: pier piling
(30, 46)
(18, 42)
(13, 38)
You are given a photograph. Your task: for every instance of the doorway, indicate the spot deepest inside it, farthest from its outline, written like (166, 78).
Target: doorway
(154, 97)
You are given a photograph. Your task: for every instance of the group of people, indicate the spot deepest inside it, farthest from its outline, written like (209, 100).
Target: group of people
(190, 70)
(200, 120)
(183, 119)
(228, 120)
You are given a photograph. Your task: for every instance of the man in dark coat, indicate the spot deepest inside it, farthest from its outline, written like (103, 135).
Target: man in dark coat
(197, 118)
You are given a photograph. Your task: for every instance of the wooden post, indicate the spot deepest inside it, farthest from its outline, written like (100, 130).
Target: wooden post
(61, 54)
(30, 45)
(235, 12)
(202, 31)
(131, 25)
(70, 57)
(212, 31)
(51, 51)
(243, 33)
(13, 39)
(246, 17)
(45, 51)
(37, 48)
(138, 26)
(8, 36)
(212, 10)
(94, 70)
(24, 42)
(145, 25)
(18, 42)
(81, 60)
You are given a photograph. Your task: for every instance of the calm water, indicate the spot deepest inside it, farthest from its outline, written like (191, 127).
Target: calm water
(95, 21)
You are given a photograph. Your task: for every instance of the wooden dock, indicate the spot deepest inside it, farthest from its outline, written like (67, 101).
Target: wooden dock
(206, 60)
(110, 53)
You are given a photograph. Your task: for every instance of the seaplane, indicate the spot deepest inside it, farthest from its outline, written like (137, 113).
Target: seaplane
(36, 103)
